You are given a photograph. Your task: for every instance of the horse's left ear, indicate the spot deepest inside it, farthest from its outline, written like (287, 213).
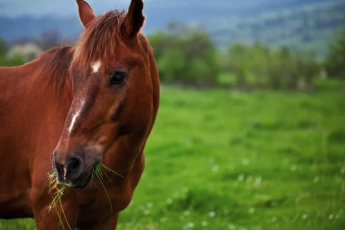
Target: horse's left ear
(86, 14)
(134, 19)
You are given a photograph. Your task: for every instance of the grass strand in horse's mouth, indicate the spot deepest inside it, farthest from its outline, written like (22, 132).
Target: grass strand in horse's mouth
(54, 185)
(100, 170)
(56, 198)
(57, 190)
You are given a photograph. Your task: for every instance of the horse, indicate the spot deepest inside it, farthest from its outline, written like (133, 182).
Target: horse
(71, 110)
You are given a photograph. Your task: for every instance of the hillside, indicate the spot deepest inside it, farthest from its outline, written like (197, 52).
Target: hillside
(308, 23)
(308, 27)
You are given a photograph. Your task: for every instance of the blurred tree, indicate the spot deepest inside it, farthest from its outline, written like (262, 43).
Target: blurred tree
(258, 66)
(335, 60)
(3, 48)
(3, 52)
(5, 60)
(189, 56)
(186, 56)
(238, 62)
(159, 41)
(172, 65)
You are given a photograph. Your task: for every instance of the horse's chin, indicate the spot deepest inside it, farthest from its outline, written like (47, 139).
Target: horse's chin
(79, 183)
(83, 182)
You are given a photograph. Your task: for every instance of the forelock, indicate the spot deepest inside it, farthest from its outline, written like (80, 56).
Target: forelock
(100, 38)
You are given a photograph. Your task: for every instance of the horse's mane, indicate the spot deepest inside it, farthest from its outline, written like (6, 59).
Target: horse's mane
(57, 67)
(99, 38)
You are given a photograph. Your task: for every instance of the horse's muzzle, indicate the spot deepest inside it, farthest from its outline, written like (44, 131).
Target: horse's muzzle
(72, 173)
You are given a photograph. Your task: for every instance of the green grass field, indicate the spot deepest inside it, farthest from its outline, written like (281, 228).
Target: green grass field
(242, 161)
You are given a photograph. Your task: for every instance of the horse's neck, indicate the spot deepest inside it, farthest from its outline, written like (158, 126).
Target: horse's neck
(32, 112)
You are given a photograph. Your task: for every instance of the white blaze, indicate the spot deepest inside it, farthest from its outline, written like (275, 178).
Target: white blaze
(74, 118)
(95, 66)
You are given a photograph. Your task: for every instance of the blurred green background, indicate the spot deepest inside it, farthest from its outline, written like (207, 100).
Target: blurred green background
(248, 137)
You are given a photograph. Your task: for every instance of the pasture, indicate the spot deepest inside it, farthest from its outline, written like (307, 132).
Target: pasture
(241, 161)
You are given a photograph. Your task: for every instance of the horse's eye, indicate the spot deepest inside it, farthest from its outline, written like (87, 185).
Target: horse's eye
(117, 78)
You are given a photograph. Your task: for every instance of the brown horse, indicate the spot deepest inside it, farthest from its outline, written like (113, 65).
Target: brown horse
(71, 109)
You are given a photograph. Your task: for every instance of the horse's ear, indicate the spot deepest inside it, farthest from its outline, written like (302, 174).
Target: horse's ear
(134, 19)
(86, 14)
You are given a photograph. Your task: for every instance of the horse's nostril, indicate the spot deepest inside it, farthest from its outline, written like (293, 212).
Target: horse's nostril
(74, 167)
(58, 168)
(73, 164)
(70, 171)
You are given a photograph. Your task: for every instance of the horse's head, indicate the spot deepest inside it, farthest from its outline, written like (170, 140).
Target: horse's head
(115, 96)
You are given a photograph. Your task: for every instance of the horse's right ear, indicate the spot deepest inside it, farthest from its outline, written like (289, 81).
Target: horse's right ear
(86, 14)
(134, 19)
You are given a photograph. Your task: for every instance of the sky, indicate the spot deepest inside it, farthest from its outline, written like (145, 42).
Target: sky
(60, 8)
(67, 8)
